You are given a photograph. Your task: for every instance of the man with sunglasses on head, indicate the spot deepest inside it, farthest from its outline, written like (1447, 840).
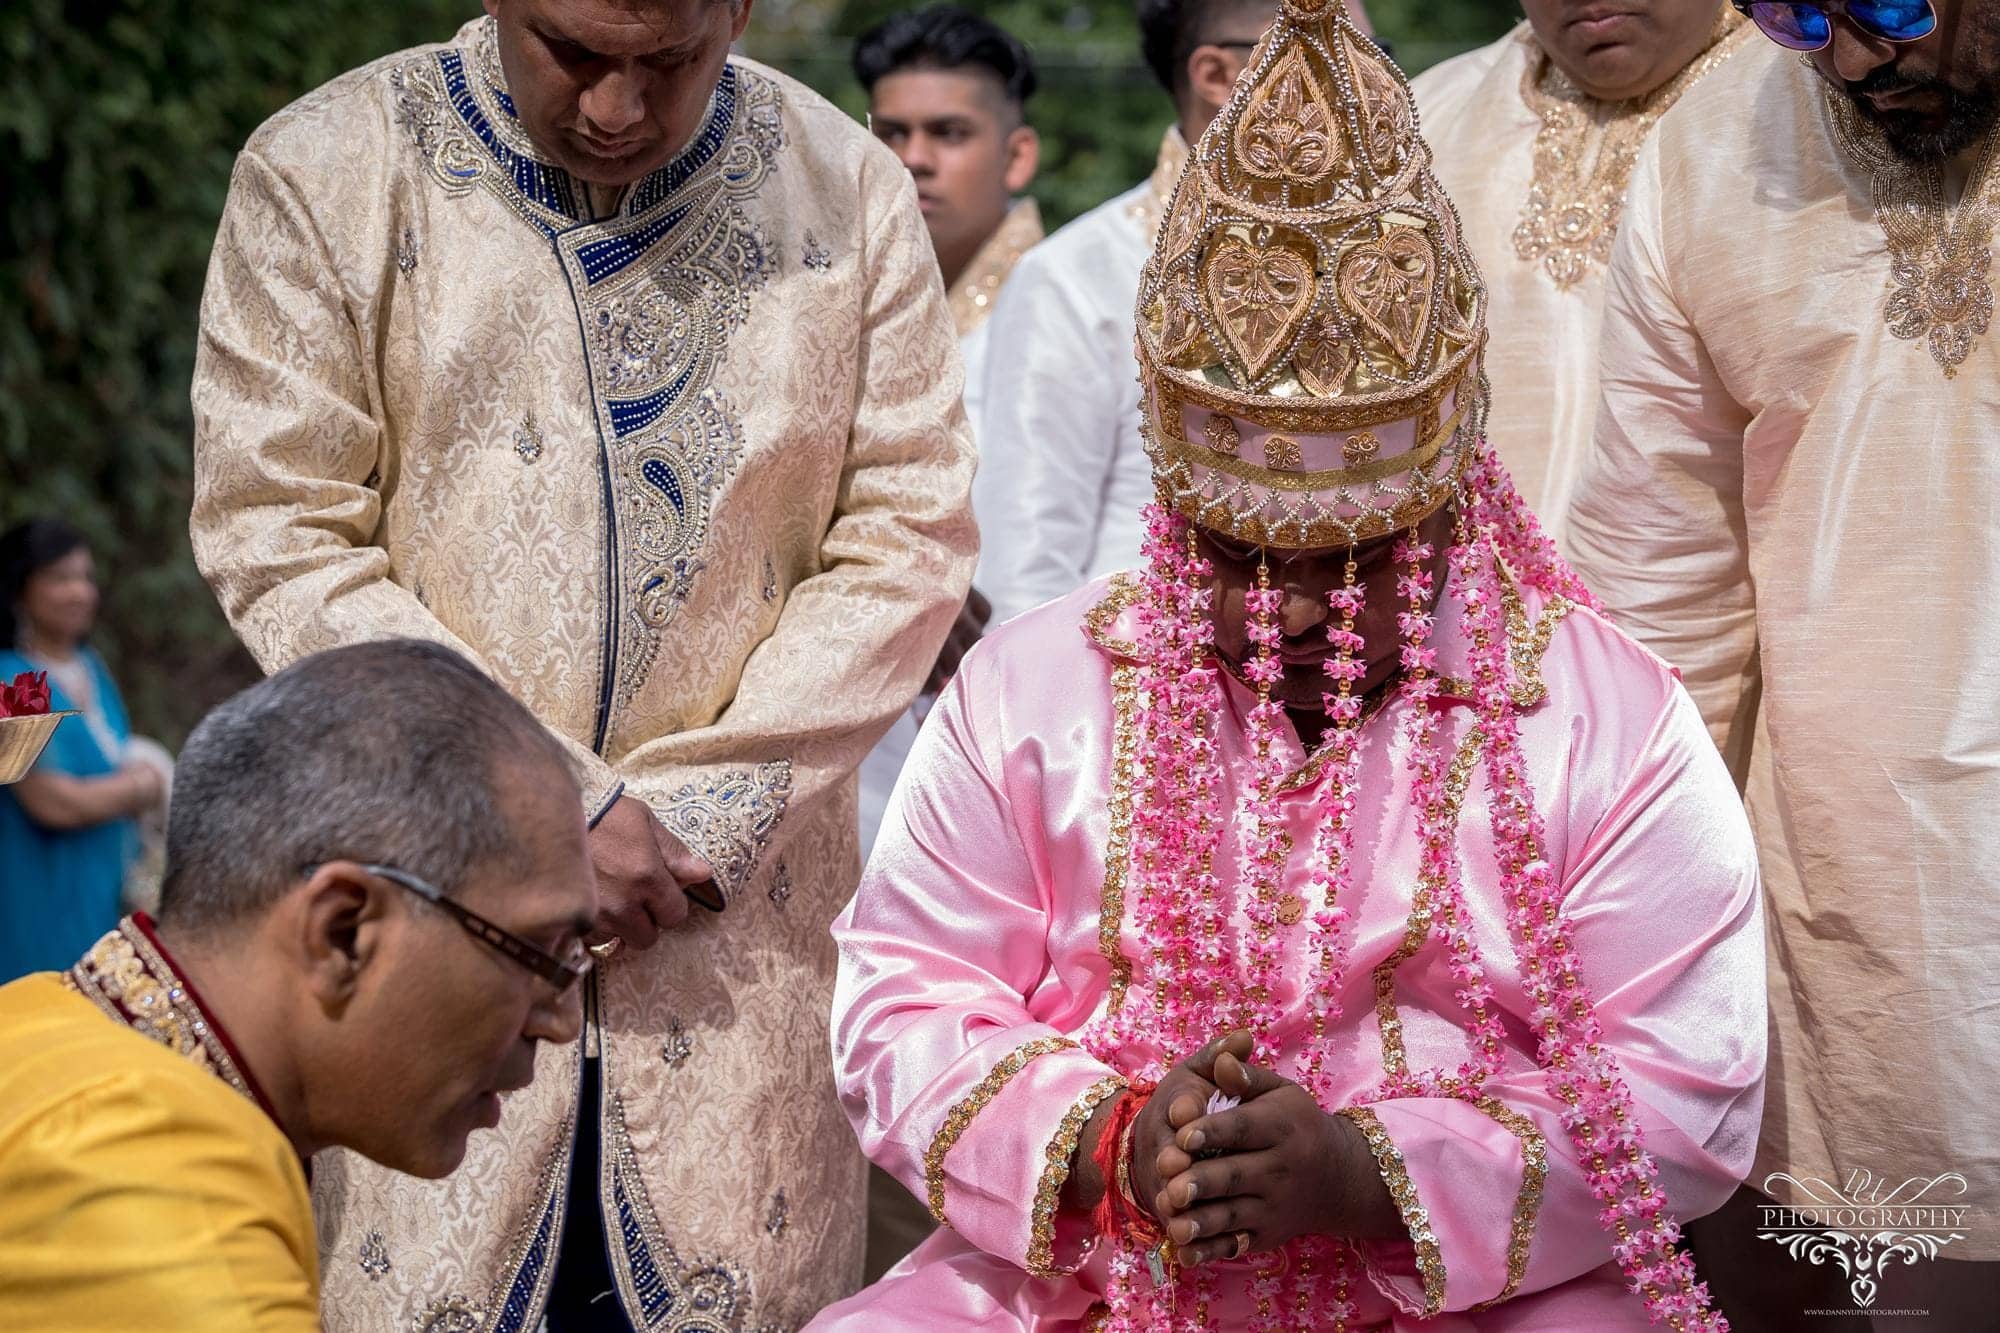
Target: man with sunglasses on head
(1534, 136)
(1790, 498)
(376, 894)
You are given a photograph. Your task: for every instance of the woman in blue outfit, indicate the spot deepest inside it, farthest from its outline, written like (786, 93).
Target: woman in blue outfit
(67, 831)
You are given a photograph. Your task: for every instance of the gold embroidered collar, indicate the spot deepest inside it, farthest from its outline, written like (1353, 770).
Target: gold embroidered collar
(129, 975)
(1584, 153)
(1939, 255)
(1167, 167)
(972, 296)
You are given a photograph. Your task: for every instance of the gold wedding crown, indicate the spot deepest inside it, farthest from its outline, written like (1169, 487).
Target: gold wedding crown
(1310, 322)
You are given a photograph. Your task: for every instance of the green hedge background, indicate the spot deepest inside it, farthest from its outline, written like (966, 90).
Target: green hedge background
(116, 138)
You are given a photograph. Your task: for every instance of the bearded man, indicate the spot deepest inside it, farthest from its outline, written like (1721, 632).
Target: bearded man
(1353, 767)
(1535, 136)
(622, 366)
(1790, 499)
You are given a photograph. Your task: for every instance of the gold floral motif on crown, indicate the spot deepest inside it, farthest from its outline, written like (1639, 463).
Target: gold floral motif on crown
(1260, 293)
(1220, 433)
(1585, 150)
(1359, 449)
(1288, 134)
(1387, 283)
(1940, 257)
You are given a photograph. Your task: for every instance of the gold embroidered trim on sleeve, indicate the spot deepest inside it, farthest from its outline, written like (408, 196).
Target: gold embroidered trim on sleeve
(1120, 593)
(1055, 1172)
(1528, 1203)
(1389, 1161)
(959, 1118)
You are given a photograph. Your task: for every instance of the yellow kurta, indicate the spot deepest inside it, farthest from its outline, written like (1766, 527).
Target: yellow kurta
(1538, 172)
(1784, 492)
(690, 480)
(137, 1189)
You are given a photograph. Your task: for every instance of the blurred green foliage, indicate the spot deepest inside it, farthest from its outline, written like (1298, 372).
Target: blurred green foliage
(116, 136)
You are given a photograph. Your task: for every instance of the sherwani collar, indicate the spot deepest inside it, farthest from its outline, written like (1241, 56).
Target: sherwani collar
(1150, 207)
(131, 977)
(972, 296)
(494, 101)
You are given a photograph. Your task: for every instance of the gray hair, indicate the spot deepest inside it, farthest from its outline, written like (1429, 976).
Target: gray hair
(389, 751)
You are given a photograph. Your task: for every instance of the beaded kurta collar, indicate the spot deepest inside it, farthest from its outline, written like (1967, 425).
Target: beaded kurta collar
(1168, 164)
(1940, 256)
(972, 296)
(1585, 150)
(129, 975)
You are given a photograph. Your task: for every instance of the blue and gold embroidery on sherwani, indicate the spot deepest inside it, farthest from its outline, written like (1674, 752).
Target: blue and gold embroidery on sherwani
(688, 476)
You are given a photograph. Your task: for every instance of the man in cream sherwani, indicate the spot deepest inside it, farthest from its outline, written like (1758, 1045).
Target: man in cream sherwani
(1534, 135)
(624, 367)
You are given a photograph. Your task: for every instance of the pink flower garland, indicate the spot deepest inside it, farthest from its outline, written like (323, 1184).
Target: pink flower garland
(1333, 840)
(1179, 911)
(1264, 843)
(1600, 1115)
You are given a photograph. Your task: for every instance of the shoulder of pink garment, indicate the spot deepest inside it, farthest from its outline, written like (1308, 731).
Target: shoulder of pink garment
(1111, 624)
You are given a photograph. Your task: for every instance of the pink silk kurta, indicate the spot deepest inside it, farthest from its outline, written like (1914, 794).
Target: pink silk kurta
(975, 932)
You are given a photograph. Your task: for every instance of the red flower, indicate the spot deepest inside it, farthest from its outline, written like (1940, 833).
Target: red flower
(28, 696)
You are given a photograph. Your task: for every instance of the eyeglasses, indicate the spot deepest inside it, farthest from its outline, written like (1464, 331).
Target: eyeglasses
(558, 973)
(1800, 25)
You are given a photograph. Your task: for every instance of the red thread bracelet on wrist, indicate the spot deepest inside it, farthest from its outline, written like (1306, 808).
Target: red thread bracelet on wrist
(1115, 1215)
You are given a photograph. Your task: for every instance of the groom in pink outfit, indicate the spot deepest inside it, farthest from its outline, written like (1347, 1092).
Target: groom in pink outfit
(1337, 923)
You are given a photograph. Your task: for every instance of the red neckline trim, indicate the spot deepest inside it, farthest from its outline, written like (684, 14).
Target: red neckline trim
(147, 928)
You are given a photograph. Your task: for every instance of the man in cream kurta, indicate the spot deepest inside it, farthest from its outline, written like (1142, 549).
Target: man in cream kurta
(1538, 167)
(1063, 471)
(948, 92)
(685, 470)
(1791, 488)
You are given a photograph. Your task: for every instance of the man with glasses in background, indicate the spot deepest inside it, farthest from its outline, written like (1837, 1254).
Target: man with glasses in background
(1790, 498)
(1063, 475)
(375, 901)
(1534, 135)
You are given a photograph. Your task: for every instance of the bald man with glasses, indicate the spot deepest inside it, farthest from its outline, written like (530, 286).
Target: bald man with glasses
(374, 909)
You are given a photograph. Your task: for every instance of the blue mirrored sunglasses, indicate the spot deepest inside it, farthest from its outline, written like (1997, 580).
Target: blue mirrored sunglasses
(1803, 26)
